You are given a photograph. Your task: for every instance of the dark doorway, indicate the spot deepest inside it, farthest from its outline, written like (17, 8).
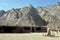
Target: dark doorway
(33, 29)
(26, 29)
(6, 29)
(38, 29)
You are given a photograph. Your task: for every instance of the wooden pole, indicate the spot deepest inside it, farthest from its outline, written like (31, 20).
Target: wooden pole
(30, 29)
(34, 29)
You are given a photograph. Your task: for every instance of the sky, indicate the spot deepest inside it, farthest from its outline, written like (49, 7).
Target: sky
(9, 4)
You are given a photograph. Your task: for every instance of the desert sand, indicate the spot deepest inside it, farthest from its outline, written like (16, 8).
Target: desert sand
(27, 36)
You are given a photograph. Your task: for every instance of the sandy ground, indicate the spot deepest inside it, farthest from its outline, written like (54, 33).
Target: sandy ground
(27, 36)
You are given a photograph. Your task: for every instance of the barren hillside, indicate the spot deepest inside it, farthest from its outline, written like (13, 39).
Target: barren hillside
(31, 16)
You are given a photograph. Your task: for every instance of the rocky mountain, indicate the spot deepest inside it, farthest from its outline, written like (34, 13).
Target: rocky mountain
(31, 16)
(26, 16)
(2, 12)
(51, 14)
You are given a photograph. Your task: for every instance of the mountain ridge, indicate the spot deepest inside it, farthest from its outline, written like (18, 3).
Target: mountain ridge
(31, 16)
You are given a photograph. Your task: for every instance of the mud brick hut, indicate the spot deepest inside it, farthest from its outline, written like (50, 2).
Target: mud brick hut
(21, 29)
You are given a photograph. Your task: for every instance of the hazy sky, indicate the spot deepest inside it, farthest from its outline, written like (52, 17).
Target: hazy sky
(9, 4)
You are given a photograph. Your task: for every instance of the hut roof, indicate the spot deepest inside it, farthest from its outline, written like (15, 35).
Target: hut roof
(19, 26)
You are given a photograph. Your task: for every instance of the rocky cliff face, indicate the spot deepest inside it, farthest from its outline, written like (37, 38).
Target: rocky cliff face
(31, 16)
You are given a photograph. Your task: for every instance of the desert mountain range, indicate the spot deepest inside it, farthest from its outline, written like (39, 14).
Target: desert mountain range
(32, 16)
